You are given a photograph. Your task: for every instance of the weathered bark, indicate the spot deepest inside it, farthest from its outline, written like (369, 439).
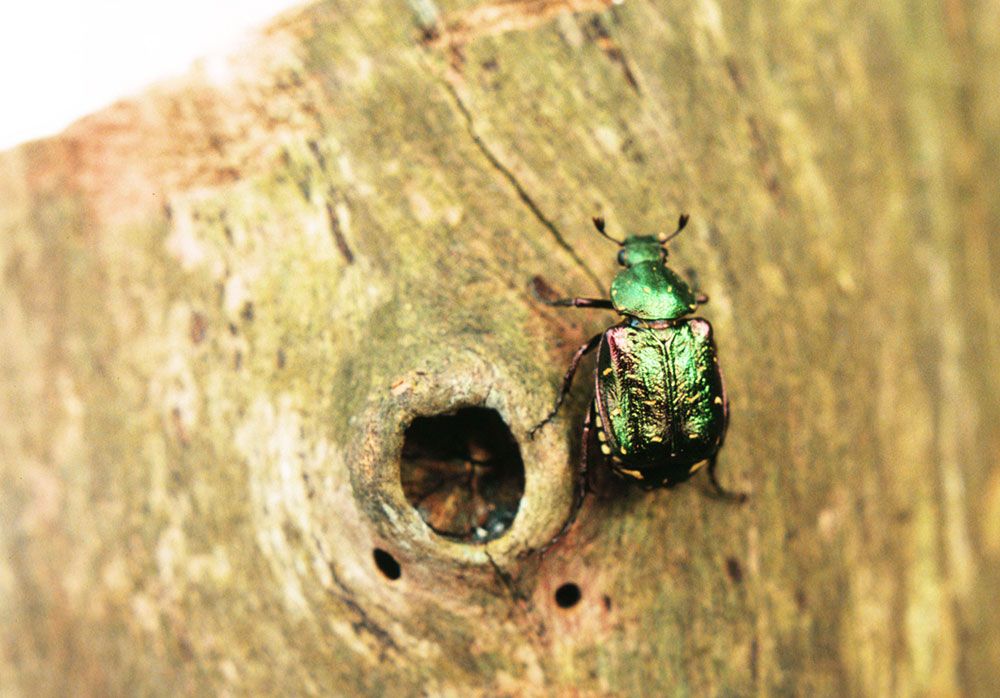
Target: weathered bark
(224, 300)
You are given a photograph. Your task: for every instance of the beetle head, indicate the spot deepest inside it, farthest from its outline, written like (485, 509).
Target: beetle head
(636, 249)
(647, 289)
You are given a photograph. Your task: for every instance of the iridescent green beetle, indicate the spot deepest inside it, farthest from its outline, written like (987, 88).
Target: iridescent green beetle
(660, 411)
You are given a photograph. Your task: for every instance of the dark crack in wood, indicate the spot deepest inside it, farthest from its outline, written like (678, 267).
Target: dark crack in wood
(337, 231)
(519, 188)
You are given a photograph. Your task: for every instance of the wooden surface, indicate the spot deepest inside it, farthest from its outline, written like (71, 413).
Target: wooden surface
(223, 301)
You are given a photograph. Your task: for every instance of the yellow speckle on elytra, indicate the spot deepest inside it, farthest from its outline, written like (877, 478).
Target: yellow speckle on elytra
(657, 439)
(601, 436)
(633, 473)
(717, 400)
(624, 451)
(605, 449)
(696, 467)
(607, 371)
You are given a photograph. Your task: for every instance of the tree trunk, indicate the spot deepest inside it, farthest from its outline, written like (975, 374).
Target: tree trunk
(228, 303)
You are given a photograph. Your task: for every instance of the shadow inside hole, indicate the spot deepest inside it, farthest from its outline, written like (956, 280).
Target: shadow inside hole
(387, 564)
(463, 473)
(568, 595)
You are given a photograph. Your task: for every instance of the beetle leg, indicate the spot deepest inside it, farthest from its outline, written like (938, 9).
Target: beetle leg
(543, 292)
(582, 484)
(584, 349)
(580, 302)
(699, 297)
(720, 491)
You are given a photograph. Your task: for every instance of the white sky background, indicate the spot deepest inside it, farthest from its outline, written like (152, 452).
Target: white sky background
(63, 59)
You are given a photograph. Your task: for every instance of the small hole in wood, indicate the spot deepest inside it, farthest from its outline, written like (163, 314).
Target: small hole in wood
(734, 570)
(387, 564)
(568, 595)
(463, 473)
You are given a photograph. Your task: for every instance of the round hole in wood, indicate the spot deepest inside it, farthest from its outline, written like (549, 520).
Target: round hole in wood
(463, 473)
(568, 595)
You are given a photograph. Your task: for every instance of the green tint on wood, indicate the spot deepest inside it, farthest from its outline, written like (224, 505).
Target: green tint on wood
(222, 302)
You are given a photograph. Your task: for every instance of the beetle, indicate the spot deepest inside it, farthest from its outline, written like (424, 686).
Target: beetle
(660, 410)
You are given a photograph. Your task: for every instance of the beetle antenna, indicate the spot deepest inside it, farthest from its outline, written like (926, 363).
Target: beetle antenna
(599, 224)
(681, 222)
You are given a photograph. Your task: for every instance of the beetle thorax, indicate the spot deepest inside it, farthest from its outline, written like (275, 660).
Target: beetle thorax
(649, 290)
